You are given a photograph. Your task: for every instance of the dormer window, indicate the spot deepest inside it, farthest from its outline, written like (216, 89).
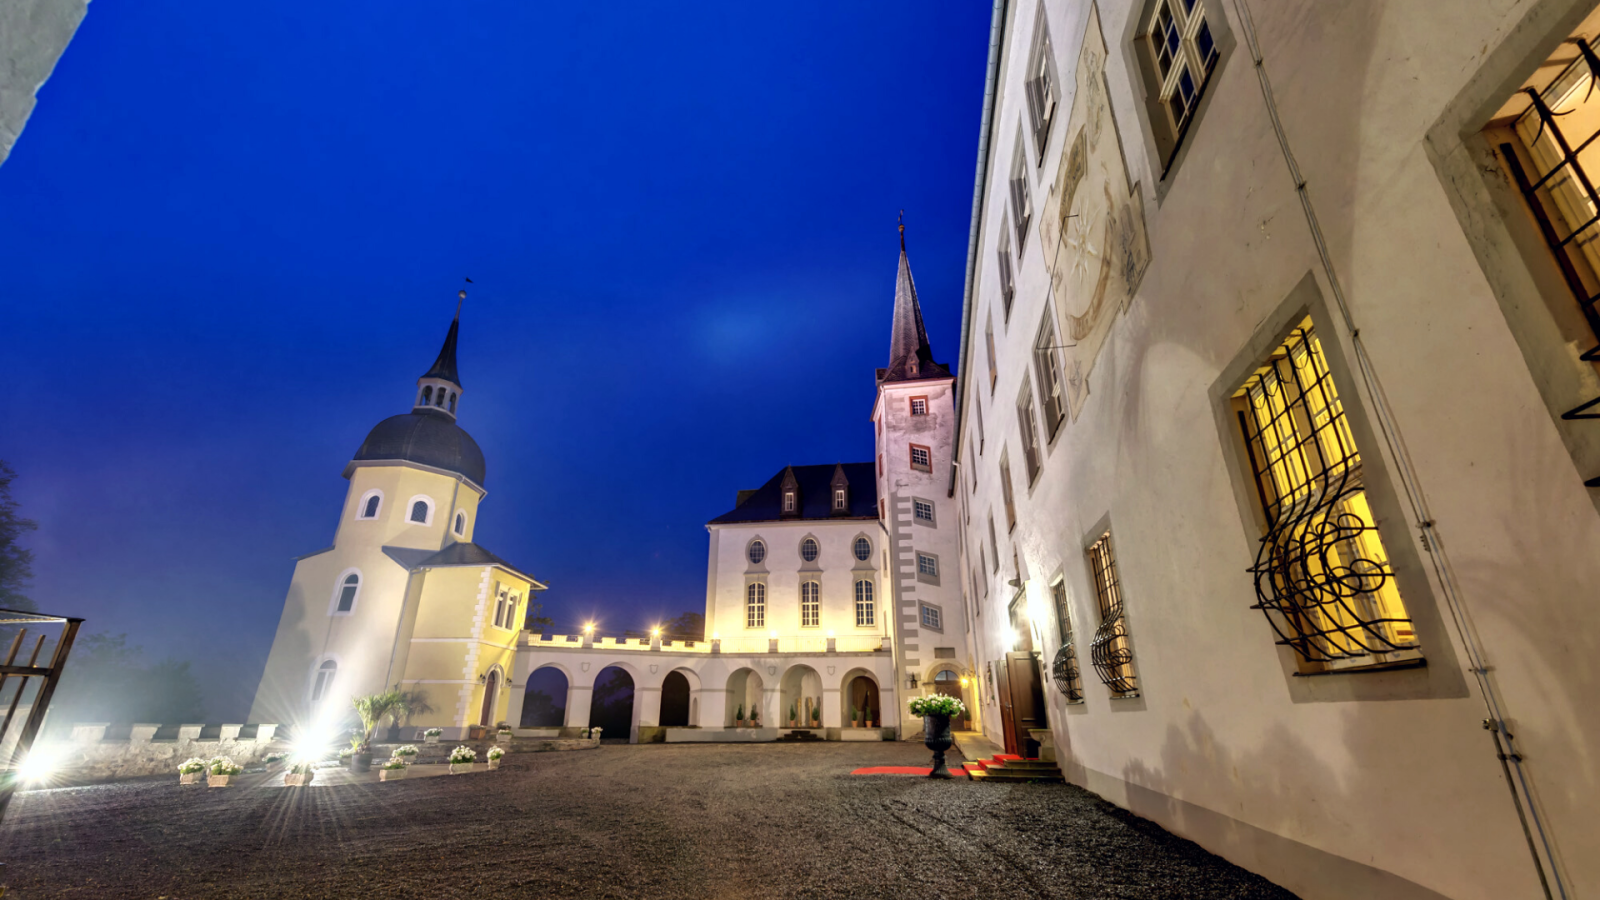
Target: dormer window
(788, 501)
(839, 504)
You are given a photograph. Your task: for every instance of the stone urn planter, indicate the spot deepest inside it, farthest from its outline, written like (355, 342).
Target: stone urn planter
(297, 779)
(936, 737)
(361, 761)
(460, 768)
(218, 780)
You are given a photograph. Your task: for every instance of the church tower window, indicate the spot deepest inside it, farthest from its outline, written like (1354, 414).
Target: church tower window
(452, 401)
(369, 506)
(461, 524)
(347, 593)
(419, 511)
(427, 394)
(755, 605)
(371, 511)
(322, 684)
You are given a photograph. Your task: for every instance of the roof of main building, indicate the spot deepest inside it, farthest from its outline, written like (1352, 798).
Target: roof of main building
(765, 504)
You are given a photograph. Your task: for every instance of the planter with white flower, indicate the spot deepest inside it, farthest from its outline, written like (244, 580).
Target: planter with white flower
(190, 770)
(393, 770)
(495, 755)
(220, 771)
(432, 735)
(595, 734)
(406, 754)
(936, 712)
(299, 774)
(461, 759)
(503, 734)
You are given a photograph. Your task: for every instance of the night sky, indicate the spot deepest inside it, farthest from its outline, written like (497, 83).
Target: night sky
(232, 233)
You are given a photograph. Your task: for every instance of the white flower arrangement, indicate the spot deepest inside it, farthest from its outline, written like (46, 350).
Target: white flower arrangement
(222, 765)
(407, 750)
(433, 732)
(462, 755)
(394, 763)
(937, 705)
(496, 752)
(194, 765)
(503, 729)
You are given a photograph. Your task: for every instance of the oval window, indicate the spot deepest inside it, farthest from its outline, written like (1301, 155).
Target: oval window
(863, 549)
(758, 552)
(808, 550)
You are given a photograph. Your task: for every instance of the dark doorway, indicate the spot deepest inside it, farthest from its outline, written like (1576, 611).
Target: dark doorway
(612, 707)
(861, 703)
(949, 684)
(544, 705)
(491, 695)
(675, 700)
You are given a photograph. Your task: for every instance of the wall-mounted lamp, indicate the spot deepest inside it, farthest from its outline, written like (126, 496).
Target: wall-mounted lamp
(965, 681)
(716, 636)
(588, 628)
(911, 680)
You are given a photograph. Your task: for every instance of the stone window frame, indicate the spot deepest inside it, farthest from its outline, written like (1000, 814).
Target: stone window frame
(361, 505)
(871, 600)
(1041, 85)
(931, 520)
(927, 453)
(1027, 429)
(923, 609)
(1021, 196)
(411, 508)
(750, 553)
(855, 548)
(1164, 148)
(756, 600)
(816, 602)
(338, 591)
(816, 548)
(1008, 272)
(994, 368)
(933, 560)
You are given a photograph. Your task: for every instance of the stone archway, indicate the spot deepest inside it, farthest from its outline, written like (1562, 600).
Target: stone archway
(676, 699)
(860, 696)
(745, 694)
(800, 698)
(611, 706)
(544, 703)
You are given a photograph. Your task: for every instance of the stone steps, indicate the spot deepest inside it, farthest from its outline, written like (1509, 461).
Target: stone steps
(1007, 768)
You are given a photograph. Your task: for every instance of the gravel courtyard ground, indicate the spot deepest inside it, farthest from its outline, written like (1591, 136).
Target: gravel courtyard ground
(670, 821)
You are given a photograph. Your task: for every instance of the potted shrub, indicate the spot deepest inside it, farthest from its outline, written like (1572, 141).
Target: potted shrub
(816, 715)
(871, 720)
(461, 759)
(855, 715)
(495, 755)
(738, 717)
(936, 712)
(392, 770)
(503, 733)
(406, 754)
(794, 714)
(189, 770)
(432, 735)
(220, 771)
(299, 774)
(755, 717)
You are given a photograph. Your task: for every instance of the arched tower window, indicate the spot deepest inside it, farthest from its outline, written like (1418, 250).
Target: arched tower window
(461, 524)
(347, 593)
(452, 401)
(322, 682)
(371, 509)
(427, 394)
(419, 511)
(439, 401)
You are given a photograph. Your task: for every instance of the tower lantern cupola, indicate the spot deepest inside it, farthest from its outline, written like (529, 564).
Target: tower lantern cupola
(439, 388)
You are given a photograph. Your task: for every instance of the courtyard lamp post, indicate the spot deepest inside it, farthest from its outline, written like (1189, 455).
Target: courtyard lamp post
(936, 712)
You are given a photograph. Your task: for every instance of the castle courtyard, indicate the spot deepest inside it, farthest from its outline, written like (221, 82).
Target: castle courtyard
(660, 821)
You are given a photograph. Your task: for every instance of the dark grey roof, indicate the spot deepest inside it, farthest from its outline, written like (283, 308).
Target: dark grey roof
(408, 557)
(426, 437)
(468, 554)
(908, 338)
(766, 502)
(445, 366)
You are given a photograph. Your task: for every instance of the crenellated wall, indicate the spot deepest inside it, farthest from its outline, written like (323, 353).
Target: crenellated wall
(87, 753)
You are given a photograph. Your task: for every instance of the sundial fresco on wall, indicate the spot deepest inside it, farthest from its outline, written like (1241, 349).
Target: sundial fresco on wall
(1092, 229)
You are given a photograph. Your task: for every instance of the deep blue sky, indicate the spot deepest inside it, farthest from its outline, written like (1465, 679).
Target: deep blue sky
(231, 236)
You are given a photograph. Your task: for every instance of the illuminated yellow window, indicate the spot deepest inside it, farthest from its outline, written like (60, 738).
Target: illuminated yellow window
(1322, 575)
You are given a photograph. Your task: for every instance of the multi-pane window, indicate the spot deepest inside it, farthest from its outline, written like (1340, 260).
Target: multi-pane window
(369, 509)
(865, 613)
(931, 617)
(863, 549)
(809, 550)
(757, 552)
(1047, 365)
(839, 499)
(919, 406)
(1110, 652)
(920, 458)
(419, 511)
(1041, 87)
(1030, 435)
(1006, 493)
(788, 501)
(322, 685)
(1322, 574)
(927, 565)
(922, 510)
(755, 605)
(1065, 669)
(499, 607)
(1021, 197)
(347, 593)
(1183, 52)
(1008, 280)
(810, 605)
(988, 343)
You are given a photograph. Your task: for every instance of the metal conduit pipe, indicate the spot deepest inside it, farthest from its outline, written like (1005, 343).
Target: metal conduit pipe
(1504, 742)
(980, 184)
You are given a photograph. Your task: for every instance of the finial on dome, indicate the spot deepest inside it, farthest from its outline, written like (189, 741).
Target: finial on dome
(902, 231)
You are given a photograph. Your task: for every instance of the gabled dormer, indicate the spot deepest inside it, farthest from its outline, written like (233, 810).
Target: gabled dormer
(789, 495)
(839, 492)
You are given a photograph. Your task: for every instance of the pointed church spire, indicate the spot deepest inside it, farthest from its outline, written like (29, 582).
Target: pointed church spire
(440, 387)
(910, 357)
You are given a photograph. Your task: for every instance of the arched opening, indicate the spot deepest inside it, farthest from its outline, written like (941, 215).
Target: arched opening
(861, 707)
(611, 704)
(427, 395)
(544, 703)
(347, 592)
(419, 511)
(949, 683)
(491, 690)
(461, 523)
(371, 512)
(452, 401)
(675, 700)
(322, 684)
(439, 401)
(800, 695)
(745, 693)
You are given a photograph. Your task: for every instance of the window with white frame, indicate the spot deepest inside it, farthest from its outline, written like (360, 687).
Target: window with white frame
(348, 589)
(788, 501)
(919, 406)
(371, 503)
(1006, 492)
(994, 545)
(810, 605)
(809, 550)
(932, 617)
(1021, 196)
(1180, 54)
(757, 552)
(866, 615)
(461, 524)
(921, 458)
(988, 343)
(839, 502)
(420, 510)
(1030, 435)
(1043, 94)
(322, 680)
(922, 510)
(755, 605)
(1008, 281)
(1047, 366)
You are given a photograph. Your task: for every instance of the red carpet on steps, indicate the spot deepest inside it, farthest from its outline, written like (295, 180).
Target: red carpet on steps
(892, 770)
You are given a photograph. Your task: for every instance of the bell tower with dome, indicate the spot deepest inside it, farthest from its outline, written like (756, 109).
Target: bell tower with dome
(404, 596)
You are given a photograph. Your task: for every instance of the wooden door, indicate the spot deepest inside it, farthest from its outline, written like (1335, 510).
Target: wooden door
(1007, 721)
(1027, 702)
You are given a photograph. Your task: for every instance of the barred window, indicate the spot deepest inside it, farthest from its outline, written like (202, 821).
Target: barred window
(865, 614)
(755, 605)
(1047, 365)
(810, 605)
(1322, 575)
(1065, 668)
(1110, 652)
(1030, 435)
(922, 510)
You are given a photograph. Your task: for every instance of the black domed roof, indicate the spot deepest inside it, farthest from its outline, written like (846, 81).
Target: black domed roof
(426, 438)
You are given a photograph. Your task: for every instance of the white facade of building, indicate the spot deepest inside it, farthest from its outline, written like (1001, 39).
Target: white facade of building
(1161, 229)
(33, 35)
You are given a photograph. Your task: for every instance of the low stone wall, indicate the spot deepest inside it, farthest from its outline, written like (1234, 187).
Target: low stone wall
(87, 753)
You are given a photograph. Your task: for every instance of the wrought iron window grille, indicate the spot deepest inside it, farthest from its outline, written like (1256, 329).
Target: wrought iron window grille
(1109, 652)
(1322, 576)
(1564, 193)
(1068, 679)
